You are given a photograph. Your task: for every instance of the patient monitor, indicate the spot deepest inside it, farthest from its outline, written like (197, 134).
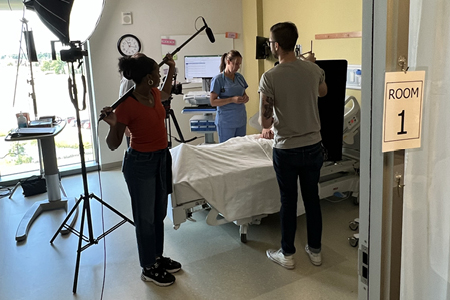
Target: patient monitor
(204, 114)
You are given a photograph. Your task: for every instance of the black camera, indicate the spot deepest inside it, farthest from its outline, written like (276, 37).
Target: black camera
(177, 89)
(70, 55)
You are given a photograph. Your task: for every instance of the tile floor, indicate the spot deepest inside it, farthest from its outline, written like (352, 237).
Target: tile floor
(216, 265)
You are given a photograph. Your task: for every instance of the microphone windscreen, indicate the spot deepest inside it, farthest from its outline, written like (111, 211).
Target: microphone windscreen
(210, 35)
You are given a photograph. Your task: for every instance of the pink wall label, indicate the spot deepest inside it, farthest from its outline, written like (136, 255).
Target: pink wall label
(167, 42)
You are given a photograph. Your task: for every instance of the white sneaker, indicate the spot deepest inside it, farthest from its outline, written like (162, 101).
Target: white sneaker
(281, 259)
(315, 258)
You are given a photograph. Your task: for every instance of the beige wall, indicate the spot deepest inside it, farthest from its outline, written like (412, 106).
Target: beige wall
(253, 68)
(311, 18)
(151, 20)
(247, 17)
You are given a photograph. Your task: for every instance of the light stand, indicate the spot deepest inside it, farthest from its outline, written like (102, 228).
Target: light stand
(31, 51)
(70, 56)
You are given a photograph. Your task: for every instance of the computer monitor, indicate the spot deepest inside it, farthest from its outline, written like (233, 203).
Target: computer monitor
(197, 67)
(331, 107)
(262, 49)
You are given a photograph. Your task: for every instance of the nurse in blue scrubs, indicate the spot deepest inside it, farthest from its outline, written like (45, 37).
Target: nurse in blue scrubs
(228, 94)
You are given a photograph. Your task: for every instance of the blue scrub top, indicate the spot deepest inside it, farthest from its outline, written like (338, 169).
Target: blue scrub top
(231, 115)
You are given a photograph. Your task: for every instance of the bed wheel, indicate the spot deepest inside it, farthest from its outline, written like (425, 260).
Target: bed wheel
(353, 225)
(353, 241)
(243, 238)
(243, 231)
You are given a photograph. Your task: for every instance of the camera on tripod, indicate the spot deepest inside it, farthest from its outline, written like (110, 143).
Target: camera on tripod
(177, 88)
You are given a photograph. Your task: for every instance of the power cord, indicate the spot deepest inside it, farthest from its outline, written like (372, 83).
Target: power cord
(5, 191)
(97, 154)
(340, 197)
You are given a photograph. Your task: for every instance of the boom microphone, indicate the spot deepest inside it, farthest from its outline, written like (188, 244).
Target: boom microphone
(209, 32)
(211, 38)
(120, 100)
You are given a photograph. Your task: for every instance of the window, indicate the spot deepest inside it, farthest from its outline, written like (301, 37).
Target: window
(51, 93)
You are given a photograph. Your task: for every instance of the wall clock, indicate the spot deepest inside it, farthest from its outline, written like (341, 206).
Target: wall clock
(128, 44)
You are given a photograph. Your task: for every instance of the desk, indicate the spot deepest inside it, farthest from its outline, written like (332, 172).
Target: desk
(54, 201)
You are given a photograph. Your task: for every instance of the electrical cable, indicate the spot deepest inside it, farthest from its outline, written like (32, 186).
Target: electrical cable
(5, 191)
(97, 154)
(71, 88)
(347, 196)
(195, 23)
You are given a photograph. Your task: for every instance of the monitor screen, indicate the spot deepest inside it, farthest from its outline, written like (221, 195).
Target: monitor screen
(201, 66)
(331, 106)
(262, 50)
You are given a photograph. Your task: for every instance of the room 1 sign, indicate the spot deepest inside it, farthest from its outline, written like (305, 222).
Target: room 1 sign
(402, 119)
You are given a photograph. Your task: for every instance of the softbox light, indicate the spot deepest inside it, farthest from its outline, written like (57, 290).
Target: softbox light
(69, 20)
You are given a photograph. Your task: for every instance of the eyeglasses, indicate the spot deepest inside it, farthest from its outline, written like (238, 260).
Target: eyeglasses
(270, 42)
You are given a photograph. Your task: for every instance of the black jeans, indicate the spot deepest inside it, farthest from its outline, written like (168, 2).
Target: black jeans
(302, 163)
(148, 180)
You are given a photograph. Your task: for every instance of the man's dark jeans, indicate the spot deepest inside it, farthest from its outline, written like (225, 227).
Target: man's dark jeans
(302, 163)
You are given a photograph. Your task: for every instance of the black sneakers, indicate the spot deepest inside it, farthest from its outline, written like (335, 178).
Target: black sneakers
(158, 275)
(169, 265)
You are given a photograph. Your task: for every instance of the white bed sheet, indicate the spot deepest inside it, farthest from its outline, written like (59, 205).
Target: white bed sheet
(236, 177)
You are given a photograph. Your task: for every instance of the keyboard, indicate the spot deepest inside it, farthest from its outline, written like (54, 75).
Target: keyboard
(36, 130)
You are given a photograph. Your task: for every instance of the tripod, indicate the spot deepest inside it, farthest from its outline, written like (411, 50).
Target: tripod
(75, 54)
(170, 113)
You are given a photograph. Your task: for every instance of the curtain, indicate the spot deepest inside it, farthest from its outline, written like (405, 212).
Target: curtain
(426, 212)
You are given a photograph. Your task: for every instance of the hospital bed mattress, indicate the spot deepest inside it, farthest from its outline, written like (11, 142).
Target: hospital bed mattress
(235, 177)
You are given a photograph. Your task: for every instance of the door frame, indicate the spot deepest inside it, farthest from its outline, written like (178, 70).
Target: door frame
(380, 48)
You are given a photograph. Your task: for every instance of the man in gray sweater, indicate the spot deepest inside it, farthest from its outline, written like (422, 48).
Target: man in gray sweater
(289, 102)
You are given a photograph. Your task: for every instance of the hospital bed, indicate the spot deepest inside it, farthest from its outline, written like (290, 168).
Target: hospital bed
(236, 181)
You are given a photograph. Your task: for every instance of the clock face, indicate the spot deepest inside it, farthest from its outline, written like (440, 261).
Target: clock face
(128, 45)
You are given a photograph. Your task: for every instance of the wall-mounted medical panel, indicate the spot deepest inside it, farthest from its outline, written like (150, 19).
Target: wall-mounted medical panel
(354, 77)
